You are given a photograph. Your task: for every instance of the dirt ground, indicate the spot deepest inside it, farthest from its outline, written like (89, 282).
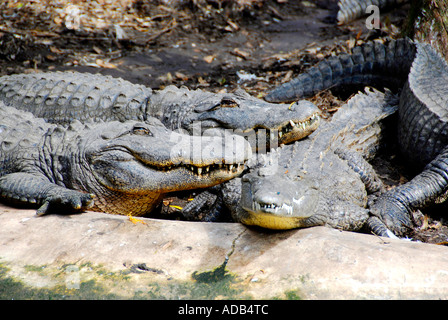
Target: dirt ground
(215, 45)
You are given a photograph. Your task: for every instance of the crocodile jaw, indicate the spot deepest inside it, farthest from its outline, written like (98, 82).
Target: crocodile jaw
(296, 130)
(277, 203)
(272, 221)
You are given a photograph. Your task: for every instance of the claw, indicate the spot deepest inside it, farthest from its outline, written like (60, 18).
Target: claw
(393, 214)
(72, 202)
(43, 210)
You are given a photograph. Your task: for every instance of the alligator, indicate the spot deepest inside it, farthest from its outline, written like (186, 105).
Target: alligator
(115, 167)
(352, 9)
(421, 75)
(324, 179)
(60, 97)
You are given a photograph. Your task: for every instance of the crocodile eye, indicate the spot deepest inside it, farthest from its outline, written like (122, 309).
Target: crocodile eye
(228, 103)
(142, 131)
(207, 106)
(225, 103)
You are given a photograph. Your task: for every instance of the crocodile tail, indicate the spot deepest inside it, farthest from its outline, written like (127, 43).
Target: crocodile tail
(423, 116)
(372, 64)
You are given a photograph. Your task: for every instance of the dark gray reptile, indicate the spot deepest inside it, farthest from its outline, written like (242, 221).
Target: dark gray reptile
(422, 115)
(324, 179)
(61, 97)
(123, 167)
(352, 9)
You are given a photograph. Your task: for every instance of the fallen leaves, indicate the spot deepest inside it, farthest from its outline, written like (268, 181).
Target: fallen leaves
(240, 53)
(209, 58)
(104, 64)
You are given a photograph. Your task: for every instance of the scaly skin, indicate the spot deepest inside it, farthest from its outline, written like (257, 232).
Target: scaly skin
(372, 64)
(422, 75)
(352, 9)
(115, 167)
(61, 97)
(322, 180)
(423, 139)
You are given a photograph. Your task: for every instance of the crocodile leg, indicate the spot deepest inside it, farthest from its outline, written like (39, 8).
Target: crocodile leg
(395, 206)
(30, 189)
(374, 186)
(207, 206)
(365, 170)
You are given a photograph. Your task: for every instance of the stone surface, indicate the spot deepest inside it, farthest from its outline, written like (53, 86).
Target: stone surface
(166, 259)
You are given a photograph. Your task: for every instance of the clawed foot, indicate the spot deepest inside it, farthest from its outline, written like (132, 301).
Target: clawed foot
(393, 214)
(68, 202)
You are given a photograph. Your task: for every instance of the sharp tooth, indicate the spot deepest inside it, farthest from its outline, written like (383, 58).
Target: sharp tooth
(291, 123)
(199, 171)
(207, 169)
(280, 134)
(231, 167)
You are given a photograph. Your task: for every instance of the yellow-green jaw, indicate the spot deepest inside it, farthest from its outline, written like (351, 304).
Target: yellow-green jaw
(272, 221)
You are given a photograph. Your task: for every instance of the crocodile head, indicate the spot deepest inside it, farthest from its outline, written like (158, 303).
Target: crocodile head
(277, 202)
(266, 123)
(131, 164)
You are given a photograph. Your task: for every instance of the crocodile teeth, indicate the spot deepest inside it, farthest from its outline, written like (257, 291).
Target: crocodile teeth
(211, 168)
(292, 123)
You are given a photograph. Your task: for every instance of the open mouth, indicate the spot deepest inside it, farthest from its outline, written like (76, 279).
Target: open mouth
(272, 208)
(207, 170)
(201, 170)
(294, 130)
(290, 131)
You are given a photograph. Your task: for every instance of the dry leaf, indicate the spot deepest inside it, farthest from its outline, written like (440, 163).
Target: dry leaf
(104, 64)
(209, 59)
(181, 76)
(287, 77)
(55, 50)
(240, 53)
(51, 57)
(233, 25)
(97, 50)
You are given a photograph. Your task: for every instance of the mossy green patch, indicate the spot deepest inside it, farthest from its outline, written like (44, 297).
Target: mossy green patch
(11, 288)
(88, 281)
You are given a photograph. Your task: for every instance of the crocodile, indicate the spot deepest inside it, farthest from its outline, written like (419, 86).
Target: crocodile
(60, 97)
(350, 10)
(324, 179)
(115, 167)
(421, 74)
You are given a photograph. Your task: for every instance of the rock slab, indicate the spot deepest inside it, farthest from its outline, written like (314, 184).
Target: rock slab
(312, 263)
